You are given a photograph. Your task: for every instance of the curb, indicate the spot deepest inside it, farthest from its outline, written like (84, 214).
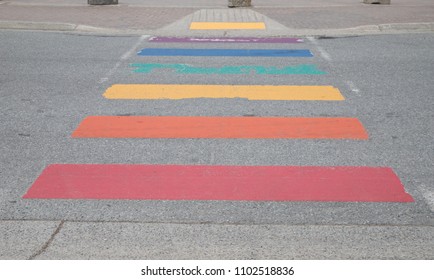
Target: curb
(66, 27)
(43, 26)
(394, 28)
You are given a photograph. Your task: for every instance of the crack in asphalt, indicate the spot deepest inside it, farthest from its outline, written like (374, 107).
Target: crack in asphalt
(48, 243)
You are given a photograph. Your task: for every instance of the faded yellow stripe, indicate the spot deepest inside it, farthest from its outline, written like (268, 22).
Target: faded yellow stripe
(161, 91)
(226, 25)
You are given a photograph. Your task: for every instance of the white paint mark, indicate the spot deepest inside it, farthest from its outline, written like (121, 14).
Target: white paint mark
(127, 55)
(110, 73)
(324, 54)
(428, 195)
(352, 86)
(124, 57)
(312, 40)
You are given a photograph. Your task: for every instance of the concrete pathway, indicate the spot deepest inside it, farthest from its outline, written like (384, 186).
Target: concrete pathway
(282, 18)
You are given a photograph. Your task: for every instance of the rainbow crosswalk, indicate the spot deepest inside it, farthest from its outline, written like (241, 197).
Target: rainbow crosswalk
(198, 182)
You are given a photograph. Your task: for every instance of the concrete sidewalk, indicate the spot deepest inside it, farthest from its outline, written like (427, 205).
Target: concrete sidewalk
(170, 17)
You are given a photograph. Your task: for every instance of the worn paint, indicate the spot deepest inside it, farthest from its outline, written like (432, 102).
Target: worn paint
(220, 127)
(303, 69)
(226, 25)
(226, 52)
(199, 182)
(269, 40)
(250, 92)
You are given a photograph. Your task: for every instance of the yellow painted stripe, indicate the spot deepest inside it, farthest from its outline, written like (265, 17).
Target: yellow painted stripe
(162, 91)
(226, 25)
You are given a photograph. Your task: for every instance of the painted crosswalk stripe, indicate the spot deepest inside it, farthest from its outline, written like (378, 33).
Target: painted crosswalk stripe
(250, 92)
(199, 182)
(226, 25)
(302, 69)
(269, 40)
(220, 127)
(227, 52)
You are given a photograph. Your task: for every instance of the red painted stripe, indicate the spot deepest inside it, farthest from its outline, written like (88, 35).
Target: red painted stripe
(175, 182)
(219, 127)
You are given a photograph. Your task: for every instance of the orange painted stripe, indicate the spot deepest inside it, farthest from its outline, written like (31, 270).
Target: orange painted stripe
(219, 127)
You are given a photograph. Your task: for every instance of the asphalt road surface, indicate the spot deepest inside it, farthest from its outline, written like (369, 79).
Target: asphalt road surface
(50, 82)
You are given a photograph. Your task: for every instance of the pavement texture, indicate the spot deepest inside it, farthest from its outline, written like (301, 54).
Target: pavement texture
(282, 18)
(168, 241)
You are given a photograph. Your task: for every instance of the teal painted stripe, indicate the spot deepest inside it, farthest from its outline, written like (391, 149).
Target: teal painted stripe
(303, 69)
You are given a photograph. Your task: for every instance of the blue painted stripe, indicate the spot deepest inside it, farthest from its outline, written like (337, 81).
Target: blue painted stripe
(226, 52)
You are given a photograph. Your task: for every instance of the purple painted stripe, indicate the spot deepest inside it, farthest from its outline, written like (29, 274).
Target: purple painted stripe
(224, 40)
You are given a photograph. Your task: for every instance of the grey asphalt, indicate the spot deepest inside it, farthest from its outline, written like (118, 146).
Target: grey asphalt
(51, 81)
